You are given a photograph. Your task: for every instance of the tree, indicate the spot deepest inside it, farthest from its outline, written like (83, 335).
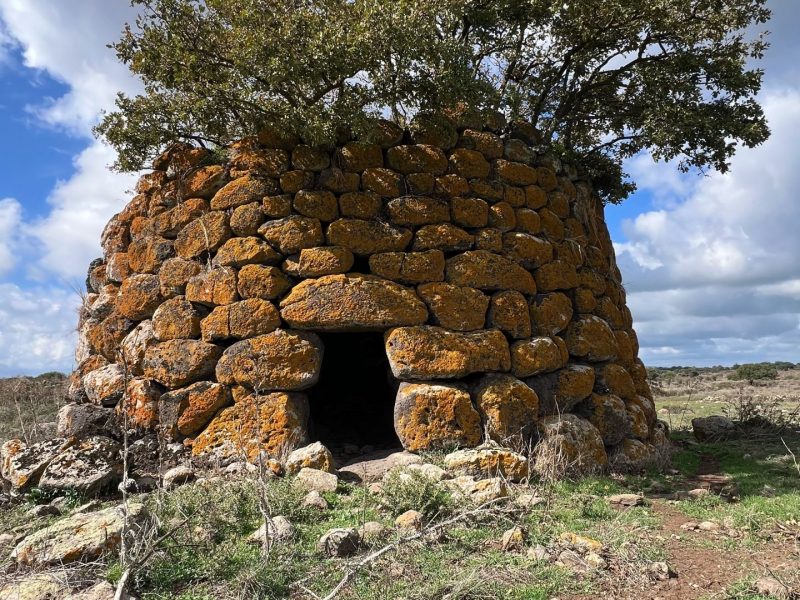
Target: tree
(601, 80)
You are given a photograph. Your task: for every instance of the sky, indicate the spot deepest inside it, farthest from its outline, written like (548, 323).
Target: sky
(711, 263)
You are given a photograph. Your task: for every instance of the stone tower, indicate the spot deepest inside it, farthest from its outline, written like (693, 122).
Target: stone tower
(431, 287)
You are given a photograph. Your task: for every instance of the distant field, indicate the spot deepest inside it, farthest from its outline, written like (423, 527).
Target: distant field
(684, 393)
(26, 402)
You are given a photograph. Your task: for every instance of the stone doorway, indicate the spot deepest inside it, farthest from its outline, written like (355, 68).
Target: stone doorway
(352, 405)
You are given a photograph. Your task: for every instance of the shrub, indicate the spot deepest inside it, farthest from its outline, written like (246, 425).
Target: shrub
(754, 372)
(411, 490)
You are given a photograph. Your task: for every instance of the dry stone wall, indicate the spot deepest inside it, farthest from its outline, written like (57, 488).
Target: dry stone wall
(485, 263)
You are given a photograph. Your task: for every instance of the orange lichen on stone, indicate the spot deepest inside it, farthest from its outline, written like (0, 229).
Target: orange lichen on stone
(509, 313)
(272, 423)
(487, 271)
(455, 307)
(280, 360)
(508, 406)
(428, 416)
(244, 319)
(316, 262)
(427, 352)
(408, 267)
(351, 303)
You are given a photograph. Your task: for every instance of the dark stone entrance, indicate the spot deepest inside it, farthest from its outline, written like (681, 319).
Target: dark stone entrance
(353, 402)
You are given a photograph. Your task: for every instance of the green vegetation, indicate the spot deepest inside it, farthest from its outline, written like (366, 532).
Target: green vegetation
(28, 402)
(600, 80)
(754, 372)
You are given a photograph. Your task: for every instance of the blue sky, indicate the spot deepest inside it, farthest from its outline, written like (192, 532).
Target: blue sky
(710, 263)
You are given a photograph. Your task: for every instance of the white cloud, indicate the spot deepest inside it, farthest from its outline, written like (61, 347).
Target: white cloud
(716, 275)
(69, 236)
(68, 41)
(10, 218)
(37, 329)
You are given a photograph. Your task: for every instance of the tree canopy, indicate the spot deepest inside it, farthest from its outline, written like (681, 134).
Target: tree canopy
(600, 79)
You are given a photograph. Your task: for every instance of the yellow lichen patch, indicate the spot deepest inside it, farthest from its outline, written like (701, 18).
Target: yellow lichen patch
(430, 416)
(351, 303)
(273, 423)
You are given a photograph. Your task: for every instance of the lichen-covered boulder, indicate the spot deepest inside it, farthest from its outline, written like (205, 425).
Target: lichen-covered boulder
(83, 536)
(281, 360)
(86, 467)
(508, 407)
(176, 363)
(560, 391)
(23, 465)
(432, 415)
(455, 307)
(488, 271)
(538, 355)
(272, 423)
(426, 352)
(244, 319)
(189, 409)
(591, 338)
(488, 461)
(630, 456)
(105, 386)
(568, 444)
(313, 456)
(608, 414)
(351, 303)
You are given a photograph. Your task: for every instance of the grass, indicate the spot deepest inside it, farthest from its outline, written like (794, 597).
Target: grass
(28, 401)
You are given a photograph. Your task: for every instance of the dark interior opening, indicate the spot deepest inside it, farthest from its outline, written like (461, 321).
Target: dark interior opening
(352, 405)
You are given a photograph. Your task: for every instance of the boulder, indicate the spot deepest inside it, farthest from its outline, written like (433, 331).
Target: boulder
(429, 415)
(508, 407)
(410, 521)
(140, 404)
(139, 296)
(281, 360)
(241, 251)
(568, 444)
(247, 189)
(480, 491)
(87, 467)
(455, 307)
(105, 386)
(23, 465)
(316, 262)
(426, 352)
(316, 480)
(488, 271)
(713, 429)
(538, 355)
(177, 476)
(608, 414)
(444, 237)
(368, 237)
(417, 158)
(269, 422)
(244, 319)
(509, 313)
(590, 338)
(176, 319)
(134, 346)
(82, 536)
(36, 586)
(261, 281)
(176, 363)
(277, 530)
(213, 287)
(351, 303)
(488, 461)
(560, 391)
(83, 420)
(338, 543)
(203, 235)
(293, 233)
(413, 211)
(315, 456)
(408, 267)
(189, 409)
